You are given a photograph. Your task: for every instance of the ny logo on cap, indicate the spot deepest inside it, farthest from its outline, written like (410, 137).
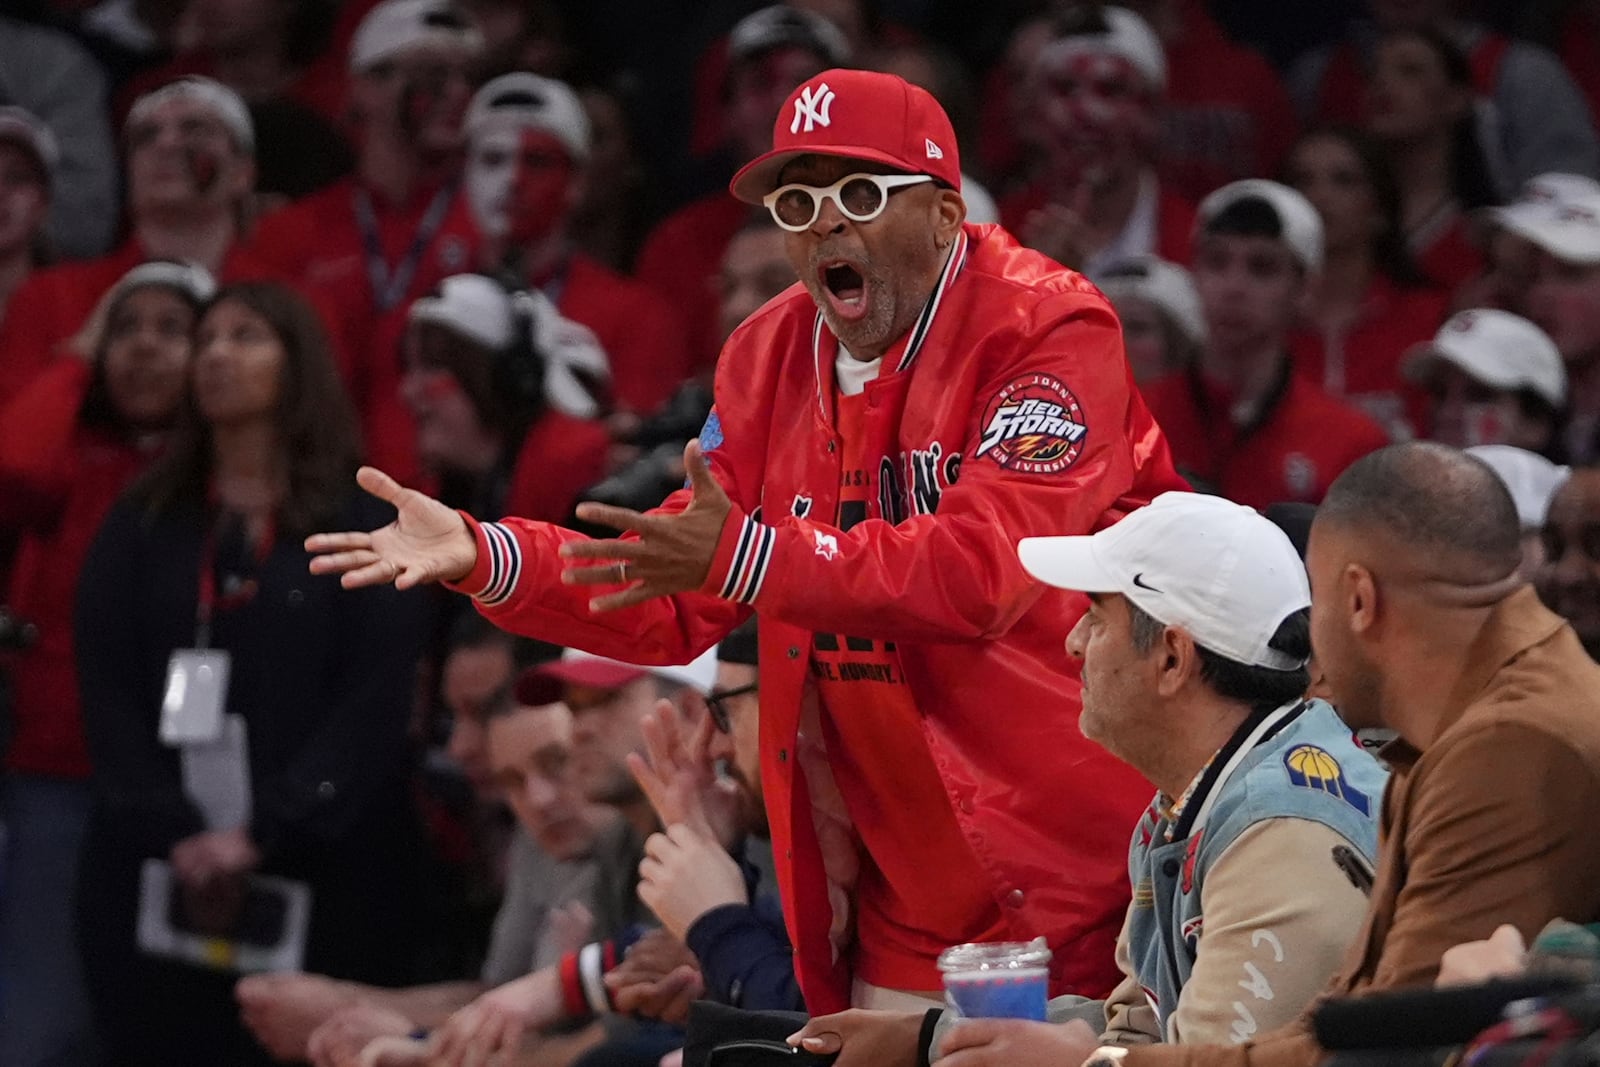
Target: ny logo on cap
(812, 107)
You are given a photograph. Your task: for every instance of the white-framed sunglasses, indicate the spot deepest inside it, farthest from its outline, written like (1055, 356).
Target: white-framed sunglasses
(860, 197)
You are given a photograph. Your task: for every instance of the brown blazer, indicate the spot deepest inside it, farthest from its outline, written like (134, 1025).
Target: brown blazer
(1494, 823)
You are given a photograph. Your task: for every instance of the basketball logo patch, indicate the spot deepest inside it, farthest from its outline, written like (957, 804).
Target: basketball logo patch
(1034, 425)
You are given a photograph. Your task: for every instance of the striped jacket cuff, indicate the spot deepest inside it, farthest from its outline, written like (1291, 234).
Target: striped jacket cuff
(505, 564)
(752, 555)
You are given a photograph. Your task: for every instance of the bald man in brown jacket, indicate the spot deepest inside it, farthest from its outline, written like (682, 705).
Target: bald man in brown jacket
(1421, 626)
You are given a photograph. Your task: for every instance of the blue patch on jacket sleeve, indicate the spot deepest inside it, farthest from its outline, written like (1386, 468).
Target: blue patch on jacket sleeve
(1315, 768)
(711, 432)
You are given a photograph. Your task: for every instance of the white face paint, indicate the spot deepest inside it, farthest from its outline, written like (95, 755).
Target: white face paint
(490, 171)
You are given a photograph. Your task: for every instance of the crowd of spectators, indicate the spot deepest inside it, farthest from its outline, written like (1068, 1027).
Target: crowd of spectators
(488, 246)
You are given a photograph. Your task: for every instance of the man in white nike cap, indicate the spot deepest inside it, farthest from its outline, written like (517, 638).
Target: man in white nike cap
(1194, 652)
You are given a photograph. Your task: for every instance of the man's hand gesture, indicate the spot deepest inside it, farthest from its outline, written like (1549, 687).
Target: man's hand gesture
(427, 542)
(672, 553)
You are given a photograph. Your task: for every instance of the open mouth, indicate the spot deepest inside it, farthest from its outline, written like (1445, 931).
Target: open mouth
(846, 288)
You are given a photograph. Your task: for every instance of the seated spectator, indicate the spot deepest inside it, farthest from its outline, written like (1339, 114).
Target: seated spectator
(1569, 582)
(1369, 304)
(528, 144)
(275, 54)
(755, 269)
(1419, 107)
(1532, 482)
(610, 702)
(191, 172)
(1421, 625)
(1534, 117)
(70, 443)
(500, 387)
(698, 876)
(1163, 328)
(49, 75)
(770, 52)
(1227, 115)
(552, 874)
(1493, 378)
(205, 551)
(368, 245)
(1510, 258)
(1564, 300)
(1263, 795)
(28, 159)
(1097, 86)
(1239, 421)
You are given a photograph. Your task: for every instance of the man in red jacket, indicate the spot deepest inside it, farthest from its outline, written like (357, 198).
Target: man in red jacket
(884, 433)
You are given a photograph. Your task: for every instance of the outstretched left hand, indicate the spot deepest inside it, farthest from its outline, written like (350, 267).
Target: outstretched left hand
(672, 553)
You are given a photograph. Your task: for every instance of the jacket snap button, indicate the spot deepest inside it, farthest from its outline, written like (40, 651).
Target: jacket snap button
(783, 755)
(831, 447)
(1170, 868)
(794, 653)
(966, 806)
(1015, 898)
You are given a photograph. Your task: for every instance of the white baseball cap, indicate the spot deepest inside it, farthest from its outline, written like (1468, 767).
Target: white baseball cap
(23, 127)
(1538, 197)
(1531, 479)
(1127, 35)
(1567, 226)
(1299, 221)
(227, 105)
(471, 305)
(543, 684)
(781, 25)
(397, 25)
(526, 101)
(1220, 571)
(480, 309)
(1498, 349)
(1166, 285)
(191, 279)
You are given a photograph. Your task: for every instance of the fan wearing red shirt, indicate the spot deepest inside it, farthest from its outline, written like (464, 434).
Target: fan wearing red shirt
(70, 442)
(527, 143)
(365, 247)
(1369, 304)
(1097, 85)
(769, 53)
(1240, 422)
(1419, 105)
(190, 173)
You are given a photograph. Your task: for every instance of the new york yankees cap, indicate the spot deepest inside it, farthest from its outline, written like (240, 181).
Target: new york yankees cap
(858, 114)
(1221, 572)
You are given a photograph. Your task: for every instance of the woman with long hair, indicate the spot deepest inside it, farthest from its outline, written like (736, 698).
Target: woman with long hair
(1421, 106)
(70, 443)
(1369, 304)
(302, 773)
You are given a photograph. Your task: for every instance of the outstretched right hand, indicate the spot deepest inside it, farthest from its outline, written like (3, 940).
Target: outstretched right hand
(427, 542)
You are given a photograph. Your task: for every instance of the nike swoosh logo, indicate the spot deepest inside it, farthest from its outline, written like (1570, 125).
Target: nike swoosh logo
(1138, 582)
